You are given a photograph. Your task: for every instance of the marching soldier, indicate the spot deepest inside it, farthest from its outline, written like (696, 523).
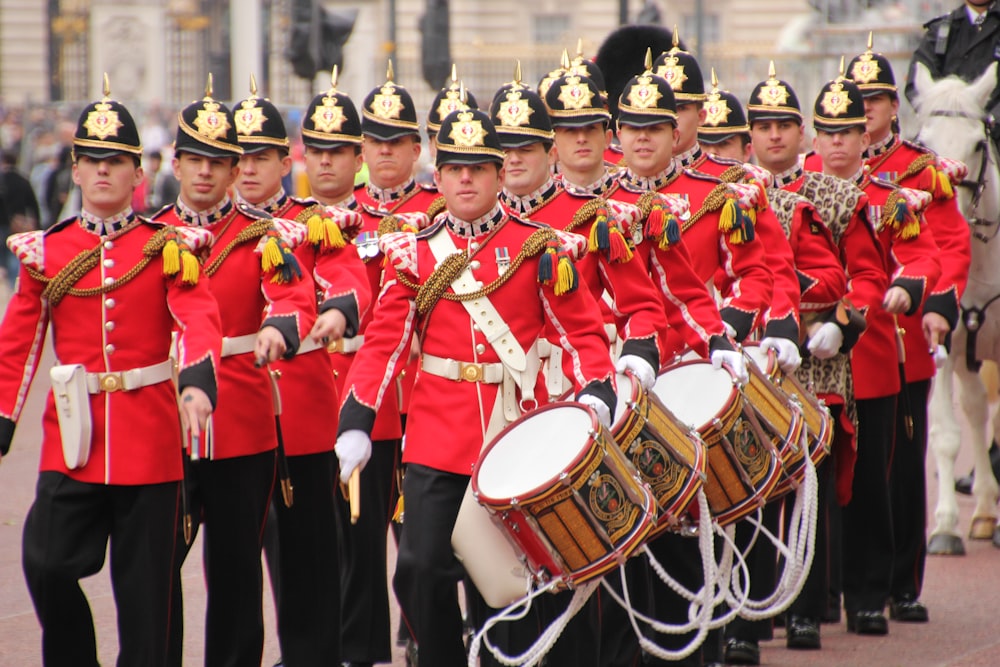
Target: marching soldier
(114, 286)
(926, 331)
(302, 552)
(909, 257)
(390, 146)
(267, 311)
(477, 242)
(777, 131)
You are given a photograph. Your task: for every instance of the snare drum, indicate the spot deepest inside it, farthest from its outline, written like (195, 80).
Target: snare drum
(779, 416)
(562, 491)
(743, 466)
(815, 415)
(668, 455)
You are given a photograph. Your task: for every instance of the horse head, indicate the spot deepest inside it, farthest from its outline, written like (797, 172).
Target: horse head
(954, 123)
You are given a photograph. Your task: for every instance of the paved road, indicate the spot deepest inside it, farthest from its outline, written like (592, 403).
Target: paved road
(962, 594)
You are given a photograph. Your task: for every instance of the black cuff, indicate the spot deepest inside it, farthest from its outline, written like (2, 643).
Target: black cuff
(354, 415)
(851, 321)
(806, 283)
(915, 288)
(720, 343)
(786, 327)
(944, 304)
(600, 388)
(288, 325)
(7, 434)
(347, 305)
(645, 349)
(738, 319)
(202, 376)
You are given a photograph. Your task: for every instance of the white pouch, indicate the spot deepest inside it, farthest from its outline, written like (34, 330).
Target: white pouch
(69, 388)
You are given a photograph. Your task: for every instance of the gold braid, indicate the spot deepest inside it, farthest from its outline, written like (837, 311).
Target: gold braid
(585, 213)
(713, 202)
(434, 288)
(733, 174)
(915, 167)
(61, 284)
(251, 232)
(438, 205)
(388, 225)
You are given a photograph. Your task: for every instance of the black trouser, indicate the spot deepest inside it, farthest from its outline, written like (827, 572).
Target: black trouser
(231, 497)
(812, 599)
(762, 564)
(867, 518)
(681, 557)
(365, 630)
(908, 493)
(66, 536)
(307, 585)
(427, 571)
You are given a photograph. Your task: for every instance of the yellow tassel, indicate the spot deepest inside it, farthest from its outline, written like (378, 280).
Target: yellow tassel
(171, 258)
(911, 228)
(727, 217)
(334, 238)
(945, 185)
(566, 279)
(271, 256)
(592, 239)
(191, 268)
(315, 226)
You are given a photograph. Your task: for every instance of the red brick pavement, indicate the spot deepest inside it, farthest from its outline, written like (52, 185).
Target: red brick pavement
(962, 594)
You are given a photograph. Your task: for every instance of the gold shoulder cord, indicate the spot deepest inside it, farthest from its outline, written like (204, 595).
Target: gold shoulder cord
(733, 174)
(251, 232)
(437, 206)
(915, 167)
(713, 202)
(308, 212)
(586, 213)
(434, 288)
(61, 284)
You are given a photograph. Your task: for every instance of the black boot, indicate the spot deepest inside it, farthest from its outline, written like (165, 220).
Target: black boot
(963, 485)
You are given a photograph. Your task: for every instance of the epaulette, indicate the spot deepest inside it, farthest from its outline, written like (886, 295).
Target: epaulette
(251, 212)
(915, 146)
(427, 187)
(29, 248)
(701, 175)
(302, 201)
(163, 210)
(437, 206)
(936, 19)
(723, 160)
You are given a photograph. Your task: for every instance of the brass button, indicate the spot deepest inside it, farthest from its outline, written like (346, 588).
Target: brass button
(480, 348)
(474, 264)
(108, 245)
(108, 263)
(109, 303)
(109, 326)
(109, 280)
(109, 348)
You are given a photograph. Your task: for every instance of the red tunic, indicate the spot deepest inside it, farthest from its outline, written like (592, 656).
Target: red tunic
(136, 437)
(249, 298)
(782, 315)
(912, 166)
(307, 380)
(636, 309)
(448, 418)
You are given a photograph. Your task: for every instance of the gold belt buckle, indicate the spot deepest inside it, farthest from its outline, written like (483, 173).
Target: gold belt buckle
(111, 382)
(335, 345)
(470, 372)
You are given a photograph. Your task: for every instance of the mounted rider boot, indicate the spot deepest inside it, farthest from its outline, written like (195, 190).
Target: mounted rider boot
(963, 485)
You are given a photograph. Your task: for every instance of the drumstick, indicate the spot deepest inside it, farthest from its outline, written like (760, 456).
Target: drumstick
(354, 495)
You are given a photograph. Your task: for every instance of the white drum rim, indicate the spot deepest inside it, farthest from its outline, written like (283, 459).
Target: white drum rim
(700, 410)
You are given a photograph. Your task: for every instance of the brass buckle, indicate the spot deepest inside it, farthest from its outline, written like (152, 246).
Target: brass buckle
(110, 382)
(335, 345)
(470, 372)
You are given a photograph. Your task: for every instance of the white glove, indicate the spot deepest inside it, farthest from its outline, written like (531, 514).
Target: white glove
(826, 342)
(730, 329)
(940, 355)
(353, 448)
(789, 358)
(599, 406)
(734, 361)
(643, 372)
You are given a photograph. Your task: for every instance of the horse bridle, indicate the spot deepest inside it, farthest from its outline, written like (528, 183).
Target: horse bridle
(977, 186)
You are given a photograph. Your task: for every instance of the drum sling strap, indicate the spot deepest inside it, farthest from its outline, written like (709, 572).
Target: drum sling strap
(520, 367)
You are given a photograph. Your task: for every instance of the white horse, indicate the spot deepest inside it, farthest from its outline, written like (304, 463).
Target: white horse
(953, 123)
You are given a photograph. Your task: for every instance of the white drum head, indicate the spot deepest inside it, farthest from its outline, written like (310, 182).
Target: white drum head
(757, 355)
(532, 453)
(695, 393)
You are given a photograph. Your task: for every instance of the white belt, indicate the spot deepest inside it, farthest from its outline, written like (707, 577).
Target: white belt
(130, 380)
(451, 369)
(238, 344)
(346, 345)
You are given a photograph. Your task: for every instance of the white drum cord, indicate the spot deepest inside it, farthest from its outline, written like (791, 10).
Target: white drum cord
(517, 610)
